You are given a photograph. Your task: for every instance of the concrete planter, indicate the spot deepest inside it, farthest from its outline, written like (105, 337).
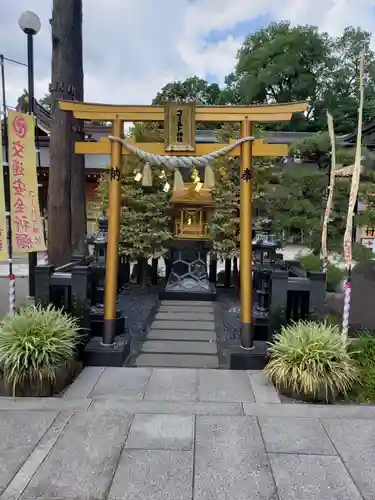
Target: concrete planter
(45, 388)
(299, 396)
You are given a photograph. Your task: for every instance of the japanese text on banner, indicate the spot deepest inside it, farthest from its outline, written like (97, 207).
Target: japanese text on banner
(3, 220)
(27, 229)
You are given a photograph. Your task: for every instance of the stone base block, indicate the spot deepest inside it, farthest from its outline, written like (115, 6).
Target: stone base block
(96, 354)
(254, 359)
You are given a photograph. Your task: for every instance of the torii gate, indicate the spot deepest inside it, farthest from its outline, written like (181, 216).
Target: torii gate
(245, 115)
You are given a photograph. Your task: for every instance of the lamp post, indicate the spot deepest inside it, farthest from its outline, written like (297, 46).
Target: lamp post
(29, 23)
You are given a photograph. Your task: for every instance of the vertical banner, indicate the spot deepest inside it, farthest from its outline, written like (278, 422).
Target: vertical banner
(4, 254)
(356, 174)
(328, 209)
(27, 228)
(352, 201)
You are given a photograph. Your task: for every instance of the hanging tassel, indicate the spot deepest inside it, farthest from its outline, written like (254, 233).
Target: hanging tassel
(147, 176)
(209, 178)
(178, 182)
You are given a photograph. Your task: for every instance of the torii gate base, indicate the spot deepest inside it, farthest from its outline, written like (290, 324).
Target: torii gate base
(107, 349)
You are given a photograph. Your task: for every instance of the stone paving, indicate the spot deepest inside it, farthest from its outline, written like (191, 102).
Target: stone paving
(182, 335)
(183, 434)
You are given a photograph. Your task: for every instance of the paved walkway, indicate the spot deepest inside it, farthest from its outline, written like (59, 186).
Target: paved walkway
(182, 335)
(179, 434)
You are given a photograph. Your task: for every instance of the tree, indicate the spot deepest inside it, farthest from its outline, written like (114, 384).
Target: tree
(224, 223)
(146, 216)
(298, 203)
(340, 91)
(66, 190)
(317, 149)
(192, 89)
(281, 63)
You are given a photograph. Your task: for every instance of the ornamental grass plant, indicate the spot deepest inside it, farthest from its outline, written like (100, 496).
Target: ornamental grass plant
(34, 344)
(310, 360)
(362, 351)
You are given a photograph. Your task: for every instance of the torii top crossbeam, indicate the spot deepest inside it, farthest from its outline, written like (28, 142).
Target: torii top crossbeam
(262, 113)
(254, 113)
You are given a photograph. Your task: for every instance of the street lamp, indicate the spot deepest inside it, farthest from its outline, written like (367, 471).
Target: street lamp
(29, 23)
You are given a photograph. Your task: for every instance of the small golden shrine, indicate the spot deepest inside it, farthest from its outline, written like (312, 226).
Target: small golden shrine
(192, 212)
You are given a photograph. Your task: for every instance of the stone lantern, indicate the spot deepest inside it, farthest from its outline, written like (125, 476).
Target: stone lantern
(265, 245)
(99, 243)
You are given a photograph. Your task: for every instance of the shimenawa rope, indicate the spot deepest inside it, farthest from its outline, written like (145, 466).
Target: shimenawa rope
(179, 161)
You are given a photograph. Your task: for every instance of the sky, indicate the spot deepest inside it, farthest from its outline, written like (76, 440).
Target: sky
(134, 47)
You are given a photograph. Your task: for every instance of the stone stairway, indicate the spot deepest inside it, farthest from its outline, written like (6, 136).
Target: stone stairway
(181, 336)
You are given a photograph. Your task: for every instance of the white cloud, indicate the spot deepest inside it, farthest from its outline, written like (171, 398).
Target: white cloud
(132, 49)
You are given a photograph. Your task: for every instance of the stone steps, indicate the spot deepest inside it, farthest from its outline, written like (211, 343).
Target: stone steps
(181, 336)
(177, 361)
(186, 309)
(193, 335)
(184, 316)
(171, 324)
(179, 347)
(186, 303)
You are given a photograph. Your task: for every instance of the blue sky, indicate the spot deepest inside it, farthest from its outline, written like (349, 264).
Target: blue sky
(133, 48)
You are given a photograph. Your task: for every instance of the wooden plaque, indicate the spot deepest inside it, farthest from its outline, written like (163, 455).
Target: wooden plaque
(179, 124)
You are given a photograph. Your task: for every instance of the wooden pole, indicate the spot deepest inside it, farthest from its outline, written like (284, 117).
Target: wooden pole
(114, 212)
(246, 276)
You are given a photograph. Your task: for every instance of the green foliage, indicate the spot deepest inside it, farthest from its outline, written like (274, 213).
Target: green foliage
(362, 350)
(317, 148)
(145, 211)
(298, 202)
(145, 214)
(312, 360)
(223, 226)
(34, 343)
(282, 63)
(147, 132)
(340, 92)
(294, 54)
(335, 275)
(361, 253)
(192, 89)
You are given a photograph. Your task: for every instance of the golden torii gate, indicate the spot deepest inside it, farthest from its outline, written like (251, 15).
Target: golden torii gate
(245, 115)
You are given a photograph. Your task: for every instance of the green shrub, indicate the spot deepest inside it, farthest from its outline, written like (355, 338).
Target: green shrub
(335, 275)
(311, 359)
(361, 253)
(362, 350)
(34, 343)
